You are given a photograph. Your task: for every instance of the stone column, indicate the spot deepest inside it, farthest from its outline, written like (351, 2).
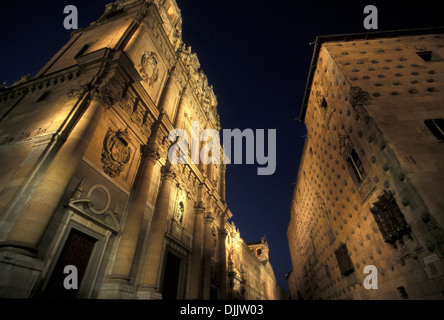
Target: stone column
(37, 213)
(196, 258)
(223, 294)
(180, 110)
(206, 269)
(141, 191)
(158, 227)
(222, 182)
(167, 101)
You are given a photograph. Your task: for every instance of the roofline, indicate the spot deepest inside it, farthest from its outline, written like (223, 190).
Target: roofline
(350, 37)
(262, 241)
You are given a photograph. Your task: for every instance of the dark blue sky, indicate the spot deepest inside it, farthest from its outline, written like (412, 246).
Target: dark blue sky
(256, 54)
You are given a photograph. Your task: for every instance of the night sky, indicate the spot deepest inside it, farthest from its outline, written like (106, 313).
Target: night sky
(256, 54)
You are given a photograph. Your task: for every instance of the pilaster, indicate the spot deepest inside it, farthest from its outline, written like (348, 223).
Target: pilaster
(36, 215)
(206, 269)
(223, 260)
(130, 236)
(19, 259)
(196, 258)
(151, 274)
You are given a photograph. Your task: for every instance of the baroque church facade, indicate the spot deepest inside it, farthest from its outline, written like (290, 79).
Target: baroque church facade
(86, 180)
(369, 190)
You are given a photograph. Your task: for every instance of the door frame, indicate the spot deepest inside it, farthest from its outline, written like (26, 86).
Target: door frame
(91, 272)
(182, 271)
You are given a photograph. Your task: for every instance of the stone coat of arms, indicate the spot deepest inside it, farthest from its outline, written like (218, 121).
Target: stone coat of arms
(148, 68)
(116, 152)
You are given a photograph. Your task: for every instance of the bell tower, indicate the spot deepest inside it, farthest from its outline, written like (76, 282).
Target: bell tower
(260, 249)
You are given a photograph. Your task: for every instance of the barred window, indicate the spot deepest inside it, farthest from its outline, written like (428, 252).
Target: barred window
(344, 260)
(428, 56)
(83, 50)
(347, 150)
(44, 96)
(436, 126)
(390, 220)
(356, 165)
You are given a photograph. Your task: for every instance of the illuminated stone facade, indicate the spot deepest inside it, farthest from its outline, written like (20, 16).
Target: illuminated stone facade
(85, 179)
(250, 273)
(370, 185)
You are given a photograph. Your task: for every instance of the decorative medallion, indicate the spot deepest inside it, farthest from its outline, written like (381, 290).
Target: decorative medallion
(95, 204)
(148, 68)
(116, 152)
(100, 199)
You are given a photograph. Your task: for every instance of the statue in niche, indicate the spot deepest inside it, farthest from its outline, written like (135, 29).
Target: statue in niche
(180, 212)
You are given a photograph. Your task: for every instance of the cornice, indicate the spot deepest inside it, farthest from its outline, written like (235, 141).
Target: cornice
(43, 82)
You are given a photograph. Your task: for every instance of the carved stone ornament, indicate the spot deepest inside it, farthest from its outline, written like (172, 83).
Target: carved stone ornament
(390, 219)
(95, 205)
(167, 173)
(215, 173)
(116, 152)
(150, 152)
(358, 96)
(104, 97)
(76, 92)
(148, 68)
(345, 145)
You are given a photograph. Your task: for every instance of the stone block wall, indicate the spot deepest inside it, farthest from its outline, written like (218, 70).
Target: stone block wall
(365, 115)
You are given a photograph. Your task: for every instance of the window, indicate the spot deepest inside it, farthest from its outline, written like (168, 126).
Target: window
(347, 150)
(115, 13)
(44, 95)
(356, 165)
(402, 293)
(429, 56)
(344, 261)
(83, 50)
(436, 126)
(324, 104)
(389, 218)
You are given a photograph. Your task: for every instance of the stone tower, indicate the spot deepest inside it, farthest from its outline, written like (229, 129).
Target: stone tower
(250, 274)
(260, 249)
(370, 186)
